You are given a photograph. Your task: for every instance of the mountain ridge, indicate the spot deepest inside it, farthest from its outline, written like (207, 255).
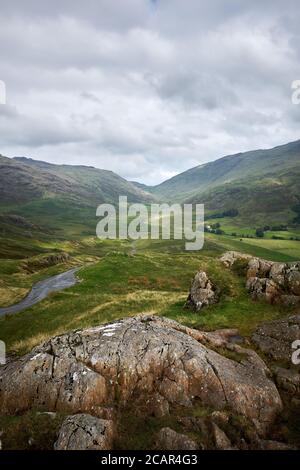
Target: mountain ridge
(229, 163)
(78, 183)
(260, 184)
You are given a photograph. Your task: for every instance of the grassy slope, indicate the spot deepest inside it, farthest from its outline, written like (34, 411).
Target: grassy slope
(154, 279)
(232, 167)
(264, 185)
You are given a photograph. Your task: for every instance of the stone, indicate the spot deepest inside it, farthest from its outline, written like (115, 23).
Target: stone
(275, 338)
(273, 445)
(221, 440)
(277, 283)
(129, 361)
(168, 439)
(230, 257)
(202, 292)
(272, 291)
(258, 268)
(256, 287)
(262, 289)
(288, 380)
(293, 282)
(85, 432)
(277, 273)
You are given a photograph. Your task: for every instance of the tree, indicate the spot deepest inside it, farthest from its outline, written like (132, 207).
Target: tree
(259, 233)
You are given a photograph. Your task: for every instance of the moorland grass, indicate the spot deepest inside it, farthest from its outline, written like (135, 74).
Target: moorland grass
(122, 284)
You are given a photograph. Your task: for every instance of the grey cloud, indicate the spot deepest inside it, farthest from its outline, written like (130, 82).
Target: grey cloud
(146, 88)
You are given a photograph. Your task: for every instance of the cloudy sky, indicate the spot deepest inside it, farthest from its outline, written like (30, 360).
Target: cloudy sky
(147, 88)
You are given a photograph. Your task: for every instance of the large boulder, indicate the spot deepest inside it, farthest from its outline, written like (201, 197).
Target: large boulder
(275, 338)
(202, 293)
(129, 362)
(85, 432)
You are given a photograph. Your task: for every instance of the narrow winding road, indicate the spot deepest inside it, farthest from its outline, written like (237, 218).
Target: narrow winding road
(41, 289)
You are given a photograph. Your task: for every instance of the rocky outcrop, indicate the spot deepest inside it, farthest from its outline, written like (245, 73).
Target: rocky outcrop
(230, 257)
(263, 289)
(258, 268)
(85, 432)
(202, 293)
(274, 282)
(275, 338)
(168, 439)
(133, 360)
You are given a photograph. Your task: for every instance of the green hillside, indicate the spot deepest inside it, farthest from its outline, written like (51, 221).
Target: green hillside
(80, 184)
(42, 200)
(259, 184)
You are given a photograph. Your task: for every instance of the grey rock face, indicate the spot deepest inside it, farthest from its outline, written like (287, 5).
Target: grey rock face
(168, 439)
(230, 257)
(273, 282)
(288, 380)
(132, 361)
(275, 338)
(259, 268)
(262, 288)
(293, 281)
(202, 292)
(85, 432)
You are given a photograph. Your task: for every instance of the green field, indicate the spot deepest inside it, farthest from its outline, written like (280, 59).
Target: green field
(120, 279)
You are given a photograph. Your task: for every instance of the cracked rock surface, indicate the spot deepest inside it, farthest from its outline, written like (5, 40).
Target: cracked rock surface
(85, 432)
(132, 361)
(202, 293)
(275, 338)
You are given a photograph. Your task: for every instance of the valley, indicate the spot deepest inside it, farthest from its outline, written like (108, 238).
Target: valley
(47, 227)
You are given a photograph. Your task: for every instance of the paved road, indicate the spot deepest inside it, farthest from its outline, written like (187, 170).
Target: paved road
(41, 289)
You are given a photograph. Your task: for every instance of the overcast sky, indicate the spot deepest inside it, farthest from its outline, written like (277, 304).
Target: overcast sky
(147, 88)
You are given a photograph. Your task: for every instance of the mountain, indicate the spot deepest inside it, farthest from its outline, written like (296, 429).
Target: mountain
(39, 199)
(142, 186)
(259, 184)
(24, 179)
(262, 187)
